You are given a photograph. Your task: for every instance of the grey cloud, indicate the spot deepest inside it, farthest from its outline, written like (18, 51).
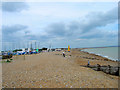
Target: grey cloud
(56, 29)
(13, 33)
(37, 37)
(13, 29)
(99, 19)
(27, 32)
(14, 6)
(62, 29)
(30, 37)
(74, 25)
(86, 28)
(98, 34)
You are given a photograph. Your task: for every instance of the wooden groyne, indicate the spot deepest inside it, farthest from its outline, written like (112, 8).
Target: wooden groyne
(112, 70)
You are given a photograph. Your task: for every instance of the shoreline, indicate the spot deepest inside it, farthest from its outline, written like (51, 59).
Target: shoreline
(94, 57)
(117, 60)
(106, 57)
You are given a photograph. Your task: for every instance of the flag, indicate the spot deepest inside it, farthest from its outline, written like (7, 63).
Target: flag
(68, 48)
(37, 50)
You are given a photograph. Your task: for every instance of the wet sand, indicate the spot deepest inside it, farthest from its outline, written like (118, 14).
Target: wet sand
(52, 70)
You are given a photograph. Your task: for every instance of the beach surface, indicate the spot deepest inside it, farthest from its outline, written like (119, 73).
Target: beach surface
(52, 70)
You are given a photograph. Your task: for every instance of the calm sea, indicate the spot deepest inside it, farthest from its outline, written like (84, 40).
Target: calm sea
(109, 52)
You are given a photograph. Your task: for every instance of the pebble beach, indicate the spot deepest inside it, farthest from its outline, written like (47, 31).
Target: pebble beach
(52, 70)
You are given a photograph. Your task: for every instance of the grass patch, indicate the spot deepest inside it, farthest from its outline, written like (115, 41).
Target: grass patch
(11, 59)
(6, 61)
(6, 56)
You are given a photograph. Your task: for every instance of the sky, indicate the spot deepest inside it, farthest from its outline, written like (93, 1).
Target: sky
(59, 24)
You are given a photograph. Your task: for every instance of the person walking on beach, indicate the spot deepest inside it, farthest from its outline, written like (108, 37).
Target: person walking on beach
(63, 54)
(88, 63)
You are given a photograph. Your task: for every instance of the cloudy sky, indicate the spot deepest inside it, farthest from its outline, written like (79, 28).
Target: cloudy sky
(78, 24)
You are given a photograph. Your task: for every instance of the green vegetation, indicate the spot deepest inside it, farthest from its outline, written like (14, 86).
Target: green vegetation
(44, 48)
(11, 59)
(6, 56)
(6, 61)
(17, 50)
(3, 62)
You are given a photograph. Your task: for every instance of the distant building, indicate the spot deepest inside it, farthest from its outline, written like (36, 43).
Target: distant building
(44, 49)
(58, 49)
(23, 49)
(29, 49)
(52, 49)
(64, 48)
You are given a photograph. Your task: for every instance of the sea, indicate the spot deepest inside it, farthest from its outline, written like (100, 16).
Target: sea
(108, 52)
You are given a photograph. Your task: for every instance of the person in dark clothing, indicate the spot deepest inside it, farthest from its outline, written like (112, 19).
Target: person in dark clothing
(63, 54)
(88, 63)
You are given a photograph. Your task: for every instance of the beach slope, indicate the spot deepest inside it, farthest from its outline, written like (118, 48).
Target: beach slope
(52, 70)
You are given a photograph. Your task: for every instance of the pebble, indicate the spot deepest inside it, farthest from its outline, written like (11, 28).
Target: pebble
(33, 84)
(41, 79)
(54, 75)
(66, 86)
(86, 84)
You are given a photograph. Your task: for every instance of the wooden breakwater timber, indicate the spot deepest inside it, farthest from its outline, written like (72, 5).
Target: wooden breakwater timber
(112, 70)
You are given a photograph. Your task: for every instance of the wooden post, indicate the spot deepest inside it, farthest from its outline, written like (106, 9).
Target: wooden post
(24, 56)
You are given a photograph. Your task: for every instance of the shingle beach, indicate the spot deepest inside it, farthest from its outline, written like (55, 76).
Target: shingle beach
(52, 70)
